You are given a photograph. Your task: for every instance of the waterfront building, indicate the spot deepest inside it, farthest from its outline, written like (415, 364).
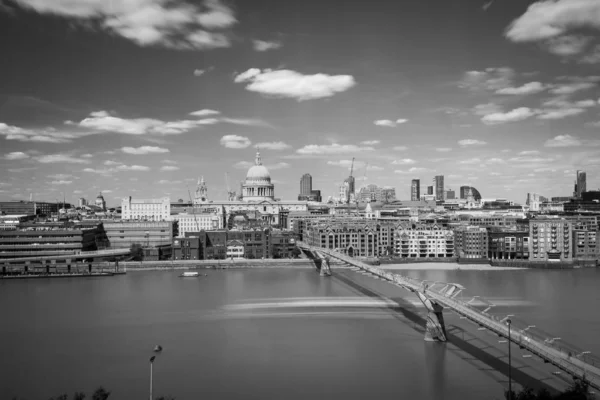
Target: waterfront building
(580, 184)
(256, 243)
(509, 243)
(283, 244)
(584, 244)
(471, 242)
(438, 183)
(415, 190)
(100, 202)
(123, 234)
(188, 248)
(550, 239)
(146, 209)
(47, 239)
(352, 237)
(424, 241)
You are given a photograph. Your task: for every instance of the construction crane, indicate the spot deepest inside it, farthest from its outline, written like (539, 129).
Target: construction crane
(231, 195)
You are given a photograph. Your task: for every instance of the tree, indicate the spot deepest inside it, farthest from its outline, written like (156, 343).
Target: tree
(137, 252)
(100, 394)
(296, 252)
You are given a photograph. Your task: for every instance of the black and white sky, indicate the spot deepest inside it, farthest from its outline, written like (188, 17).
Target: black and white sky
(141, 97)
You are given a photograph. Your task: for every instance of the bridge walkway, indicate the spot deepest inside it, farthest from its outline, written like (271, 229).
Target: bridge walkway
(569, 363)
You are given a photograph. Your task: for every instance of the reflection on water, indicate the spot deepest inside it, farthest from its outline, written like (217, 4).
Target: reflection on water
(258, 334)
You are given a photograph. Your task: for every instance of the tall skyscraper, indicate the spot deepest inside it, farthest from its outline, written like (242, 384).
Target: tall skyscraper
(429, 189)
(438, 183)
(580, 184)
(306, 185)
(415, 190)
(351, 188)
(450, 194)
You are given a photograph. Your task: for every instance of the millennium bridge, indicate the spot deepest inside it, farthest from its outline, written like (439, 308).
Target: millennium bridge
(436, 296)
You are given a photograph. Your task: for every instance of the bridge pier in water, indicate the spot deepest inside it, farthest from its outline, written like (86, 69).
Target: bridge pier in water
(435, 327)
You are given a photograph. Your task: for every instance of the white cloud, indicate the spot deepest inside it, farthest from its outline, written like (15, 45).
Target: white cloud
(45, 135)
(494, 161)
(347, 164)
(204, 112)
(111, 163)
(169, 162)
(574, 84)
(262, 45)
(61, 176)
(199, 72)
(560, 113)
(487, 108)
(528, 88)
(413, 170)
(470, 161)
(370, 142)
(529, 152)
(144, 150)
(292, 84)
(235, 142)
(175, 25)
(548, 19)
(60, 158)
(61, 182)
(87, 155)
(563, 141)
(470, 142)
(334, 148)
(389, 123)
(567, 45)
(246, 121)
(489, 79)
(16, 155)
(132, 168)
(400, 148)
(169, 168)
(404, 161)
(592, 57)
(518, 114)
(443, 149)
(272, 145)
(248, 164)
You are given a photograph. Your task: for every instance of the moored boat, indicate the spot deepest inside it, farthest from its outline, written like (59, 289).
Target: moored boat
(190, 274)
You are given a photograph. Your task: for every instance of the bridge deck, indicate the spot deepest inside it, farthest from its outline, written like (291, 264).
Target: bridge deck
(564, 361)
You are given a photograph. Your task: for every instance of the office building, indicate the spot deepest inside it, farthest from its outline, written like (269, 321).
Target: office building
(508, 243)
(580, 184)
(430, 190)
(471, 242)
(82, 202)
(450, 194)
(352, 237)
(146, 234)
(424, 241)
(199, 219)
(415, 190)
(464, 193)
(373, 192)
(438, 183)
(306, 184)
(551, 239)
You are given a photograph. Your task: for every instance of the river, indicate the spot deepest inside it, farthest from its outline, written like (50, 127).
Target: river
(276, 334)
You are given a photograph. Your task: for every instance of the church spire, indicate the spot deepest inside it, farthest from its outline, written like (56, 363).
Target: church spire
(257, 160)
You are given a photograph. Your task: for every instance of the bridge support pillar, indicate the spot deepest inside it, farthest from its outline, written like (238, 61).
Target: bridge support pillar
(435, 328)
(322, 263)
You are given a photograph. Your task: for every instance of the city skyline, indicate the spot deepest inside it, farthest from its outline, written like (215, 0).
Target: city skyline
(142, 99)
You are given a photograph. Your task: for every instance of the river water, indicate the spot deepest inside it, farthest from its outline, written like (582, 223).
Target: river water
(277, 334)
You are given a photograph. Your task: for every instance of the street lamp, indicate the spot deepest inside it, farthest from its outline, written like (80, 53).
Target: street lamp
(151, 363)
(508, 321)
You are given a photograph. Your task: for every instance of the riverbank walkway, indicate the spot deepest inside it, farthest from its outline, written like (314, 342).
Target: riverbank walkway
(579, 364)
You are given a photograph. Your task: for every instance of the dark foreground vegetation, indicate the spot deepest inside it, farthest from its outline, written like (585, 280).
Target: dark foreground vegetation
(577, 391)
(99, 394)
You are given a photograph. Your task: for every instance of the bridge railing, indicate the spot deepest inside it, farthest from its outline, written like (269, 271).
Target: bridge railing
(568, 357)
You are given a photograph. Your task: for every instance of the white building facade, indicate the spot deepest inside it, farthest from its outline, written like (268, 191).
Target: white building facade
(422, 241)
(146, 209)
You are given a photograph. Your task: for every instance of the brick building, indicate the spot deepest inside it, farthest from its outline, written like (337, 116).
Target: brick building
(471, 242)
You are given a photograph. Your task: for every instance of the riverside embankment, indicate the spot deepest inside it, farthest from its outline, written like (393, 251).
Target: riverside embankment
(220, 264)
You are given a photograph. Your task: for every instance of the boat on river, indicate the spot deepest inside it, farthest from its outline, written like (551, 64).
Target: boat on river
(190, 274)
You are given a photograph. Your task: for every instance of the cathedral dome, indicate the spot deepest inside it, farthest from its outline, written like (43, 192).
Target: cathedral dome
(258, 173)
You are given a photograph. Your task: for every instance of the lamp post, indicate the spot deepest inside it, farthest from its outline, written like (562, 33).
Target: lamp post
(508, 321)
(151, 363)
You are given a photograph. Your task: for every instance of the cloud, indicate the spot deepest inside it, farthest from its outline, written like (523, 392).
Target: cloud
(39, 135)
(470, 161)
(413, 170)
(560, 113)
(370, 142)
(400, 148)
(204, 113)
(61, 176)
(168, 162)
(105, 122)
(169, 168)
(443, 149)
(144, 150)
(563, 141)
(470, 142)
(404, 161)
(246, 121)
(291, 84)
(16, 155)
(574, 84)
(111, 163)
(272, 145)
(390, 123)
(567, 45)
(262, 45)
(528, 88)
(235, 142)
(60, 158)
(334, 148)
(118, 168)
(529, 152)
(549, 19)
(174, 25)
(518, 114)
(592, 57)
(489, 79)
(199, 72)
(347, 164)
(61, 182)
(248, 164)
(487, 108)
